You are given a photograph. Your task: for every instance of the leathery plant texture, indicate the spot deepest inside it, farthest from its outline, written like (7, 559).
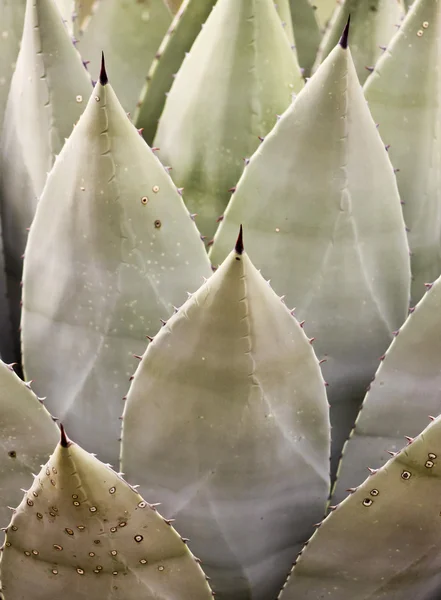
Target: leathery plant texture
(405, 390)
(180, 36)
(240, 73)
(82, 532)
(382, 542)
(42, 108)
(404, 95)
(129, 32)
(245, 467)
(28, 435)
(373, 25)
(11, 18)
(321, 207)
(111, 250)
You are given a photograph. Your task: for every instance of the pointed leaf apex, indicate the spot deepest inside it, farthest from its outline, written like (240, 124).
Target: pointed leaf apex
(64, 440)
(103, 74)
(345, 35)
(239, 243)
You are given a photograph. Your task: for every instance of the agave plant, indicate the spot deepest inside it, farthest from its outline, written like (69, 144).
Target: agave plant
(240, 389)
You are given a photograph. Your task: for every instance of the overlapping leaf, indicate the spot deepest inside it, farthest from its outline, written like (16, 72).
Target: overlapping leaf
(322, 212)
(111, 250)
(82, 532)
(239, 74)
(227, 424)
(129, 32)
(383, 541)
(404, 95)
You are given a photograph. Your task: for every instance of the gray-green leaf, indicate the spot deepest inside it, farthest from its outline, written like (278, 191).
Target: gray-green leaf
(227, 425)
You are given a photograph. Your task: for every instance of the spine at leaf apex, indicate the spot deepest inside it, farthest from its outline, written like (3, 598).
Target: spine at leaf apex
(345, 35)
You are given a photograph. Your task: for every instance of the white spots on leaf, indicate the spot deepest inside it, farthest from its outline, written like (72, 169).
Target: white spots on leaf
(406, 475)
(368, 502)
(79, 98)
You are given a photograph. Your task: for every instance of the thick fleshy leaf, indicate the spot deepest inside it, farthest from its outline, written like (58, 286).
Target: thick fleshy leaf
(129, 32)
(11, 19)
(240, 73)
(325, 9)
(383, 541)
(67, 10)
(307, 34)
(48, 93)
(9, 338)
(406, 389)
(404, 95)
(227, 425)
(111, 250)
(284, 10)
(28, 435)
(322, 212)
(373, 24)
(82, 532)
(179, 39)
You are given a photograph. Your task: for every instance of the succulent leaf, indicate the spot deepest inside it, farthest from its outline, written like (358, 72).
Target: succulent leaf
(373, 24)
(129, 32)
(404, 95)
(12, 19)
(284, 10)
(248, 465)
(383, 540)
(67, 11)
(307, 34)
(47, 96)
(82, 532)
(404, 392)
(239, 74)
(180, 36)
(322, 212)
(112, 249)
(325, 9)
(9, 339)
(28, 435)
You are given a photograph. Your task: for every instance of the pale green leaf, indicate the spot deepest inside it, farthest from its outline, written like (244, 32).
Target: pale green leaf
(323, 218)
(227, 425)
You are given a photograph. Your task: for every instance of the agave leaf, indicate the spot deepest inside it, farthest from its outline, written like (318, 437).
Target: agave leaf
(180, 36)
(240, 73)
(322, 211)
(82, 532)
(383, 541)
(11, 19)
(373, 24)
(407, 4)
(404, 95)
(233, 382)
(325, 9)
(405, 390)
(9, 339)
(307, 34)
(67, 9)
(129, 32)
(111, 250)
(27, 437)
(284, 10)
(43, 106)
